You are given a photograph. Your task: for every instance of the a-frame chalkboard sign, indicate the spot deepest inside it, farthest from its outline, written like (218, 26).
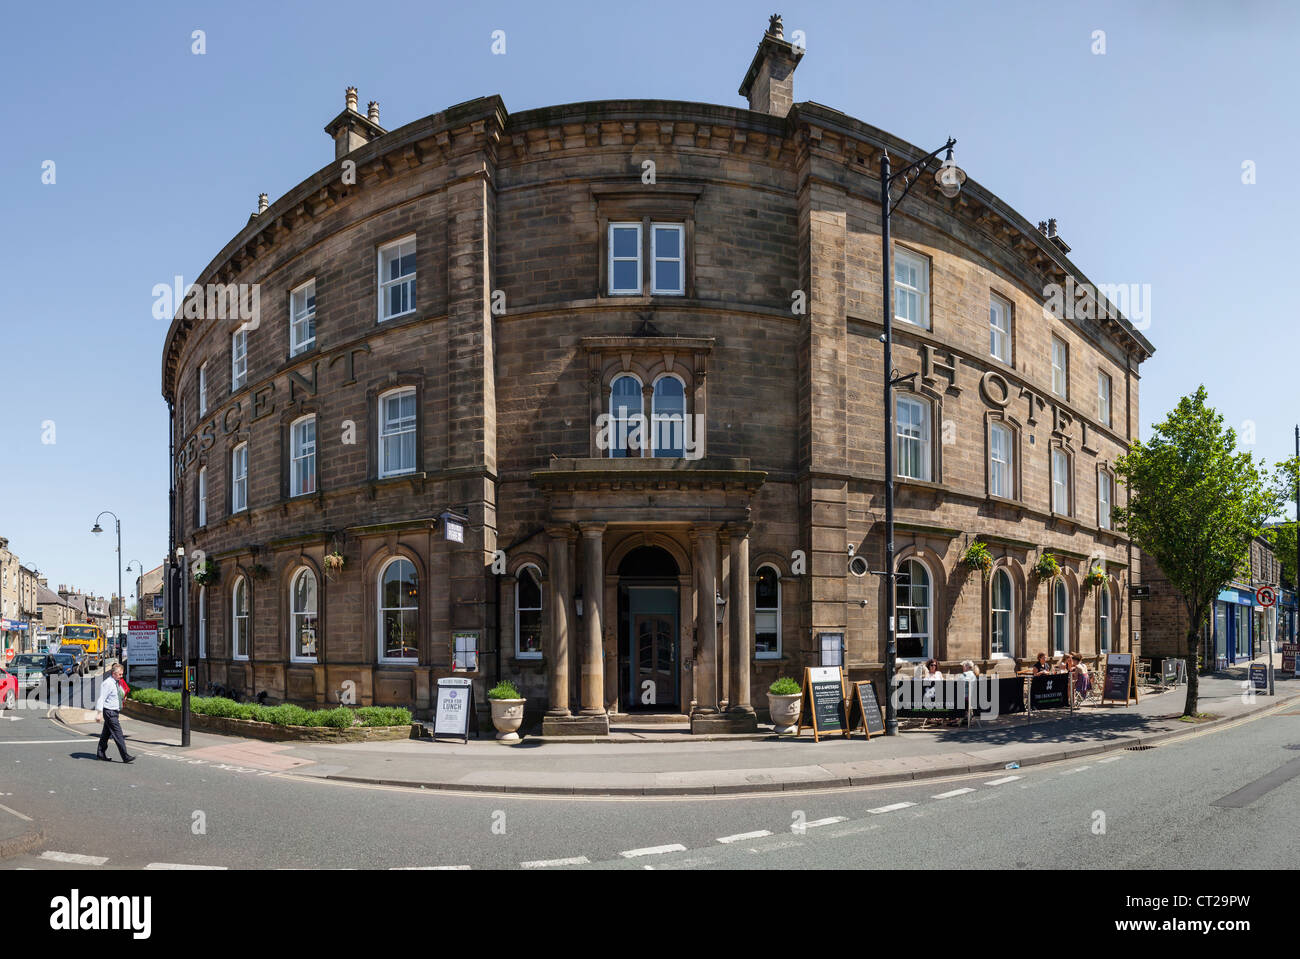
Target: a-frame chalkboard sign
(822, 704)
(1119, 683)
(864, 710)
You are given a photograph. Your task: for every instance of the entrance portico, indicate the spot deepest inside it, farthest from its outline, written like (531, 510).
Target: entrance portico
(662, 620)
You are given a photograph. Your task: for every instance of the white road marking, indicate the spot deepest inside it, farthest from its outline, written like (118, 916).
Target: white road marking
(1109, 759)
(825, 822)
(1002, 781)
(35, 742)
(1076, 769)
(544, 863)
(15, 812)
(892, 807)
(756, 834)
(653, 851)
(74, 857)
(955, 792)
(179, 865)
(424, 868)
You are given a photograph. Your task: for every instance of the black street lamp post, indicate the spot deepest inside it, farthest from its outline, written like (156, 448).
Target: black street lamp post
(949, 178)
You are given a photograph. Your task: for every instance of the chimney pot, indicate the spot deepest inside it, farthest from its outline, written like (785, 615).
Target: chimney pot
(1051, 227)
(352, 98)
(775, 27)
(262, 203)
(372, 111)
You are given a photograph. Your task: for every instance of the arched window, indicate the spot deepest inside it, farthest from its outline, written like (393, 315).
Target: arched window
(1003, 638)
(626, 417)
(239, 619)
(767, 614)
(668, 414)
(914, 610)
(1103, 620)
(203, 622)
(399, 617)
(303, 607)
(1060, 619)
(528, 612)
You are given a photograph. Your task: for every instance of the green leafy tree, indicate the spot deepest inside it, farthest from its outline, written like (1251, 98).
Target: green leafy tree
(1195, 503)
(1282, 535)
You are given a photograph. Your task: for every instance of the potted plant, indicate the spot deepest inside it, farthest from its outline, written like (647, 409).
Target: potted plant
(977, 556)
(1096, 577)
(507, 710)
(1047, 567)
(334, 563)
(205, 573)
(784, 698)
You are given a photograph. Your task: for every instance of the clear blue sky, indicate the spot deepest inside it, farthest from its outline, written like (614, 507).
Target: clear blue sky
(160, 155)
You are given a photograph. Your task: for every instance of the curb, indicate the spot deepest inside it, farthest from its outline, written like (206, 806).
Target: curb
(810, 785)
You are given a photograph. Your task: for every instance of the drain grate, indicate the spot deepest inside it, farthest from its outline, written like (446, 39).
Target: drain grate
(1133, 749)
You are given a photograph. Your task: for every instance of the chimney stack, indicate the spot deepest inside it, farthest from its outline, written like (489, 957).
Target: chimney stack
(372, 112)
(1049, 230)
(769, 82)
(351, 99)
(350, 129)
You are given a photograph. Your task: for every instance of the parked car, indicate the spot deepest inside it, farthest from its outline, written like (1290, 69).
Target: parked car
(8, 689)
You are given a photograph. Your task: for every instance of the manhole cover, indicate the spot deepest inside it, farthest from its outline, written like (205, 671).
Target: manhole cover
(1136, 748)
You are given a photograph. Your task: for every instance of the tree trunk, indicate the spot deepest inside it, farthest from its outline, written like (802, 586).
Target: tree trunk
(1193, 674)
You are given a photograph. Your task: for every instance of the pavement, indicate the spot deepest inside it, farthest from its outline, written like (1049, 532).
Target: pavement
(646, 762)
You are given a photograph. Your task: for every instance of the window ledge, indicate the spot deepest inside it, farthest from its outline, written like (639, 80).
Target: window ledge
(906, 483)
(1004, 501)
(416, 480)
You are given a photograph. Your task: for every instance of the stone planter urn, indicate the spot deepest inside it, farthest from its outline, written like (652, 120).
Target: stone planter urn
(785, 712)
(507, 717)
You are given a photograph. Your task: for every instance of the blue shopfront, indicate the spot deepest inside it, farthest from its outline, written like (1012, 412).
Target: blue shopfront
(1233, 627)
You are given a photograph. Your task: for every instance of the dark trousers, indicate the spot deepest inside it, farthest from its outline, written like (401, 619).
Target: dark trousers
(112, 728)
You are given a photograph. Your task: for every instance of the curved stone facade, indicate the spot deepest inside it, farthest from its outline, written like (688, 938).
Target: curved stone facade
(708, 564)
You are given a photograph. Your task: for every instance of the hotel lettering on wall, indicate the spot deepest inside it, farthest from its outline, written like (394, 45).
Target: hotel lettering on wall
(295, 386)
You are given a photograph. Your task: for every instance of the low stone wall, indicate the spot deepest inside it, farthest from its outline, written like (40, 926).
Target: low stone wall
(250, 729)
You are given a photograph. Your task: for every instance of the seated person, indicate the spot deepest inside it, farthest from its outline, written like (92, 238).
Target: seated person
(932, 670)
(968, 671)
(1042, 665)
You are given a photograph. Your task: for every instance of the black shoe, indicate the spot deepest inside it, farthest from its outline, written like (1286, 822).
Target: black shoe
(128, 759)
(103, 757)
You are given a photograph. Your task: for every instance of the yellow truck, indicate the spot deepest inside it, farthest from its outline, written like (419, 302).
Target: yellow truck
(91, 640)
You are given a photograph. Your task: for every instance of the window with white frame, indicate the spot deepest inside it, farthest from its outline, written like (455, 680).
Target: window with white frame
(203, 622)
(399, 612)
(912, 431)
(1002, 637)
(668, 258)
(624, 258)
(913, 598)
(302, 317)
(1103, 619)
(767, 613)
(668, 416)
(202, 492)
(911, 288)
(1060, 619)
(1060, 368)
(203, 389)
(528, 612)
(397, 432)
(303, 606)
(239, 619)
(1103, 398)
(999, 328)
(397, 278)
(239, 478)
(238, 359)
(1060, 482)
(1105, 490)
(302, 456)
(626, 419)
(1001, 461)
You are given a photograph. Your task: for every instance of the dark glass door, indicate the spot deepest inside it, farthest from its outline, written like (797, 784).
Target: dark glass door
(654, 656)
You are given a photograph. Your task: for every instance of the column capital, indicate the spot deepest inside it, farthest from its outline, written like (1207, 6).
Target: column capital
(561, 531)
(592, 530)
(740, 528)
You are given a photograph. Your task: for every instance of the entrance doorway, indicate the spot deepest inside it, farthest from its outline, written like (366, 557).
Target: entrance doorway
(649, 644)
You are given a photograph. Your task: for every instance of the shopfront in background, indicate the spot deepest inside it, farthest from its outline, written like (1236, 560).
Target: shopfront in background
(1234, 632)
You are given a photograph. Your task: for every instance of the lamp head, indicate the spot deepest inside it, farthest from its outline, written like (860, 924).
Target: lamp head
(949, 176)
(97, 529)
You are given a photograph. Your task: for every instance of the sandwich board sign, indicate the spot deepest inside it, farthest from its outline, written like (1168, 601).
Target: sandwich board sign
(454, 709)
(864, 710)
(1259, 677)
(821, 706)
(1118, 680)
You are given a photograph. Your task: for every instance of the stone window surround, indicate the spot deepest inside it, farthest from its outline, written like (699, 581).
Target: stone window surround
(647, 358)
(1008, 305)
(1055, 446)
(902, 251)
(240, 577)
(646, 204)
(933, 401)
(1000, 418)
(289, 581)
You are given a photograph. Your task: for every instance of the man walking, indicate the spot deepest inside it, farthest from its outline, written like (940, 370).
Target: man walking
(110, 703)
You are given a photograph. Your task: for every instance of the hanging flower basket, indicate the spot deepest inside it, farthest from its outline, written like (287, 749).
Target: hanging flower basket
(334, 563)
(1096, 577)
(205, 573)
(977, 556)
(1047, 567)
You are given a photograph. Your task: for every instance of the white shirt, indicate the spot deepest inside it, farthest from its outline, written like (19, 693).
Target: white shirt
(109, 696)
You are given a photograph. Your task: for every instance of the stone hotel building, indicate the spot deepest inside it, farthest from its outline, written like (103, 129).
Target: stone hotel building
(589, 397)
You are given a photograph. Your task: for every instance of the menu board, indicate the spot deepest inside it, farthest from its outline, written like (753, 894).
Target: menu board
(1118, 678)
(1049, 691)
(1289, 651)
(864, 711)
(454, 708)
(822, 705)
(1259, 676)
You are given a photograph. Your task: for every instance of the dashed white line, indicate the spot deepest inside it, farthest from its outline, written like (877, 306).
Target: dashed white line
(756, 834)
(892, 807)
(825, 822)
(955, 792)
(1002, 781)
(179, 865)
(14, 812)
(1109, 759)
(653, 851)
(546, 863)
(424, 868)
(1076, 769)
(74, 857)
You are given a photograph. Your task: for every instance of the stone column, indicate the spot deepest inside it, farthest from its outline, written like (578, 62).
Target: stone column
(742, 629)
(560, 598)
(593, 580)
(705, 539)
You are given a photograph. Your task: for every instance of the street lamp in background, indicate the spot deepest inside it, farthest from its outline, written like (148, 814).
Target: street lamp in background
(949, 179)
(97, 529)
(139, 568)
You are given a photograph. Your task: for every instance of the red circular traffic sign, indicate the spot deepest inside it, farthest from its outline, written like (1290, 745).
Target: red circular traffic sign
(1265, 596)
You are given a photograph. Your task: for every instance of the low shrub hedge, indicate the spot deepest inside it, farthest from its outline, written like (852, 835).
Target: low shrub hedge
(286, 714)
